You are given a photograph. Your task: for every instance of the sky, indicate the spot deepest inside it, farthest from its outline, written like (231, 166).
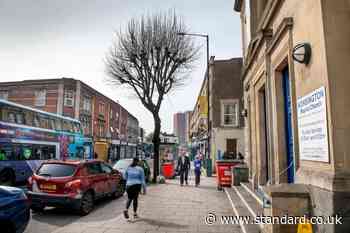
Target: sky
(41, 39)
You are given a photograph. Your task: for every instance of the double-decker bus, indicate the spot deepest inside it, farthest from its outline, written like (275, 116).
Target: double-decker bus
(28, 136)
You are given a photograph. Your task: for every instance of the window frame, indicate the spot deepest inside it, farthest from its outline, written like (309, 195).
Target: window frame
(4, 94)
(40, 98)
(235, 103)
(70, 98)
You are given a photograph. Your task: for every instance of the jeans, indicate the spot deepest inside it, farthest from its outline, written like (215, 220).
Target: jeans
(184, 176)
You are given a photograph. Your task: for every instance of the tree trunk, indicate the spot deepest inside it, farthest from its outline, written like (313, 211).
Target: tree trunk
(156, 144)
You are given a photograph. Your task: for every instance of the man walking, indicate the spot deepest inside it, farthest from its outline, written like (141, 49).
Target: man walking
(183, 167)
(197, 169)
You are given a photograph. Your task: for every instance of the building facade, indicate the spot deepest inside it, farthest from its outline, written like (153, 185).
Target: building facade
(226, 92)
(226, 131)
(180, 127)
(104, 121)
(296, 103)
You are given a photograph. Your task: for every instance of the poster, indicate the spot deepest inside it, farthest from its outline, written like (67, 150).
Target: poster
(312, 126)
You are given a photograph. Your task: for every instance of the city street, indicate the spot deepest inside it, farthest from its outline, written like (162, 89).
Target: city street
(166, 208)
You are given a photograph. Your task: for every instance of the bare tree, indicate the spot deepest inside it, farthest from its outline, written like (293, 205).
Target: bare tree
(151, 59)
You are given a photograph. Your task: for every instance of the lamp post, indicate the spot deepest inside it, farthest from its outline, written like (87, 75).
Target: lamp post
(206, 36)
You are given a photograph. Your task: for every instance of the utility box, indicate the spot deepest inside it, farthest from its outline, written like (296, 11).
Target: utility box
(240, 173)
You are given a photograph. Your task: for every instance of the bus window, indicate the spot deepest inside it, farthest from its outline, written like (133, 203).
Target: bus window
(28, 118)
(52, 124)
(20, 118)
(44, 122)
(11, 117)
(36, 121)
(67, 126)
(58, 124)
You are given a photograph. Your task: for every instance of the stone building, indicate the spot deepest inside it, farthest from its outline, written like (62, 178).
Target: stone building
(296, 102)
(104, 121)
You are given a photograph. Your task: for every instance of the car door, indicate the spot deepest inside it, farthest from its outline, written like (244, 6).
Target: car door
(112, 178)
(97, 178)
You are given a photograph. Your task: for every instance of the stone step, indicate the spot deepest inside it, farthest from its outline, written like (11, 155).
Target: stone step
(240, 209)
(258, 196)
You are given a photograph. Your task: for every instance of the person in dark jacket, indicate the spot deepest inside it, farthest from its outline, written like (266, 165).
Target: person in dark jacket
(197, 169)
(183, 167)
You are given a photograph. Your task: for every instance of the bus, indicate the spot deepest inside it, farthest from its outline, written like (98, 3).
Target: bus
(29, 136)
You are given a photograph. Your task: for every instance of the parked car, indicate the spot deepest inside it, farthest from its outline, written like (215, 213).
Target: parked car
(14, 210)
(75, 184)
(122, 164)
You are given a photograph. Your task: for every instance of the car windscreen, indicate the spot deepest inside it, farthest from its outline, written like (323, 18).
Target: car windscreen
(56, 170)
(122, 164)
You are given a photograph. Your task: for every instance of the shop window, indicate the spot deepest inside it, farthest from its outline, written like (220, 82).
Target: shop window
(68, 98)
(40, 98)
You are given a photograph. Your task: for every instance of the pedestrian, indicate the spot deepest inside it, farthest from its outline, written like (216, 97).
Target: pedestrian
(95, 155)
(183, 167)
(197, 170)
(135, 181)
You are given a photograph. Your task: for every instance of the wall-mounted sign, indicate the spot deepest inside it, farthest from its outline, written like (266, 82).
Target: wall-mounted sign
(312, 126)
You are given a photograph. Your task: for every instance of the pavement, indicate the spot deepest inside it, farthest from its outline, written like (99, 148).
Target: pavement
(166, 208)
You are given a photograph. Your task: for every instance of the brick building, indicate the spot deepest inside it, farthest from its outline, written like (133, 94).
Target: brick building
(104, 121)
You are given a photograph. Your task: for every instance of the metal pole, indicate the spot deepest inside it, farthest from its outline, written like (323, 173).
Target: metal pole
(208, 97)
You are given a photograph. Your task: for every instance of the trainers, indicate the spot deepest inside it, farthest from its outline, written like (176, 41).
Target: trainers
(136, 216)
(126, 214)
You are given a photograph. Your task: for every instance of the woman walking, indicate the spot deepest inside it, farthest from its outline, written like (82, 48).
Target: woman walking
(135, 180)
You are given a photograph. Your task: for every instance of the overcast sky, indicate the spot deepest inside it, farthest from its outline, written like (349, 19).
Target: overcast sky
(42, 39)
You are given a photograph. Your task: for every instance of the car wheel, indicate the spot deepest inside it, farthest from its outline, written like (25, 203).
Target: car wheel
(87, 204)
(7, 178)
(7, 227)
(38, 208)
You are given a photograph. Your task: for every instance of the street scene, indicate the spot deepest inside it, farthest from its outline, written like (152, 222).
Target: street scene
(174, 116)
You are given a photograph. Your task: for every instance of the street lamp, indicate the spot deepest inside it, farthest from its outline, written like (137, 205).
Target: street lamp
(206, 36)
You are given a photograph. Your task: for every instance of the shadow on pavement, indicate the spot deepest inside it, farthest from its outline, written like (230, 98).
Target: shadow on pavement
(64, 216)
(159, 223)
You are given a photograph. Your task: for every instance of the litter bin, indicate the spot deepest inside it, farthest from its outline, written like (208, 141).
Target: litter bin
(209, 168)
(168, 170)
(224, 172)
(239, 174)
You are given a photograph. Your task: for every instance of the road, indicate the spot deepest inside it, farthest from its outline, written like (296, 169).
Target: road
(52, 219)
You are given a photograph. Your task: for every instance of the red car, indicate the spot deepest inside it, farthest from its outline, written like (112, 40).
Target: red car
(74, 184)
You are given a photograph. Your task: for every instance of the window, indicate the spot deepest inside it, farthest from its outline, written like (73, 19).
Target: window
(111, 114)
(4, 95)
(67, 126)
(94, 168)
(52, 124)
(56, 170)
(20, 118)
(40, 98)
(36, 121)
(28, 118)
(87, 104)
(58, 124)
(68, 98)
(229, 113)
(44, 122)
(106, 169)
(101, 109)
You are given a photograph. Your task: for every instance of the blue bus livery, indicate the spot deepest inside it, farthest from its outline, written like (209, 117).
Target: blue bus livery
(28, 136)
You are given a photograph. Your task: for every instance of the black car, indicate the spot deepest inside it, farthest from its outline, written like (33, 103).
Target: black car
(14, 210)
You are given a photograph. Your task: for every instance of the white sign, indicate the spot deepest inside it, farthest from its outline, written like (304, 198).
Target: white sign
(312, 126)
